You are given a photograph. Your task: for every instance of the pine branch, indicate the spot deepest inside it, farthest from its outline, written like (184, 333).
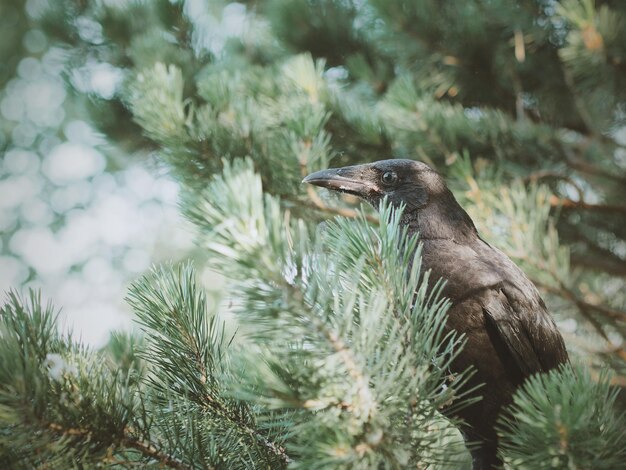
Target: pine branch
(536, 176)
(149, 450)
(597, 256)
(585, 308)
(568, 204)
(607, 263)
(127, 440)
(551, 415)
(57, 398)
(342, 354)
(585, 167)
(188, 347)
(367, 338)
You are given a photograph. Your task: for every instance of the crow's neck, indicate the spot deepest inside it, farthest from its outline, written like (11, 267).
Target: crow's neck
(441, 218)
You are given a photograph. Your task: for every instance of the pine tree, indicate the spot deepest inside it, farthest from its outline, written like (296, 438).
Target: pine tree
(335, 364)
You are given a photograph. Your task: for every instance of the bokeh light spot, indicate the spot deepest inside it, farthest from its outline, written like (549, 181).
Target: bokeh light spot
(69, 162)
(35, 41)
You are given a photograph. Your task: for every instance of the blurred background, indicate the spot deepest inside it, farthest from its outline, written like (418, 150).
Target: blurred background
(80, 215)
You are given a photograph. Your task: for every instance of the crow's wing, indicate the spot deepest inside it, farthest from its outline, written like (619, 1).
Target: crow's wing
(512, 308)
(526, 329)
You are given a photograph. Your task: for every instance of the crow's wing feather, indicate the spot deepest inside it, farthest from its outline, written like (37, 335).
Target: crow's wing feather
(526, 329)
(512, 308)
(506, 322)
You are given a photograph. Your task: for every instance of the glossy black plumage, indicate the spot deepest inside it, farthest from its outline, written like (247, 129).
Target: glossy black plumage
(510, 334)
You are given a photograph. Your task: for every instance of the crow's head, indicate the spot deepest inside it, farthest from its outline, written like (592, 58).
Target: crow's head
(403, 181)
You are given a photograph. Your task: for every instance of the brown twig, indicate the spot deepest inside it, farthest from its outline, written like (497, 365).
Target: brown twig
(596, 257)
(147, 449)
(614, 267)
(566, 203)
(585, 308)
(219, 408)
(586, 167)
(565, 292)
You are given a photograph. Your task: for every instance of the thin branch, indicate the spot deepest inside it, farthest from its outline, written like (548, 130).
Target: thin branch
(586, 167)
(219, 408)
(584, 307)
(604, 310)
(147, 449)
(596, 257)
(597, 263)
(566, 203)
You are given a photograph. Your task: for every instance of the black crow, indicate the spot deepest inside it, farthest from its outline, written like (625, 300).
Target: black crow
(509, 332)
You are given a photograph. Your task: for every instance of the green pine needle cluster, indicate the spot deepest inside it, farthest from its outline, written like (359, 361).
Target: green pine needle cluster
(59, 402)
(564, 419)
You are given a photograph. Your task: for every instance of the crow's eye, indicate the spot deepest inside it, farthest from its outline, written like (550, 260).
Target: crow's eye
(389, 177)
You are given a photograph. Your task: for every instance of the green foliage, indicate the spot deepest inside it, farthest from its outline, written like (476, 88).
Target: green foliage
(594, 45)
(124, 350)
(187, 351)
(62, 405)
(279, 115)
(344, 354)
(564, 419)
(161, 89)
(324, 28)
(59, 403)
(341, 356)
(339, 369)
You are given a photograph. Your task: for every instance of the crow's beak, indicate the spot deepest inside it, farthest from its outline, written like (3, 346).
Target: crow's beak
(350, 179)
